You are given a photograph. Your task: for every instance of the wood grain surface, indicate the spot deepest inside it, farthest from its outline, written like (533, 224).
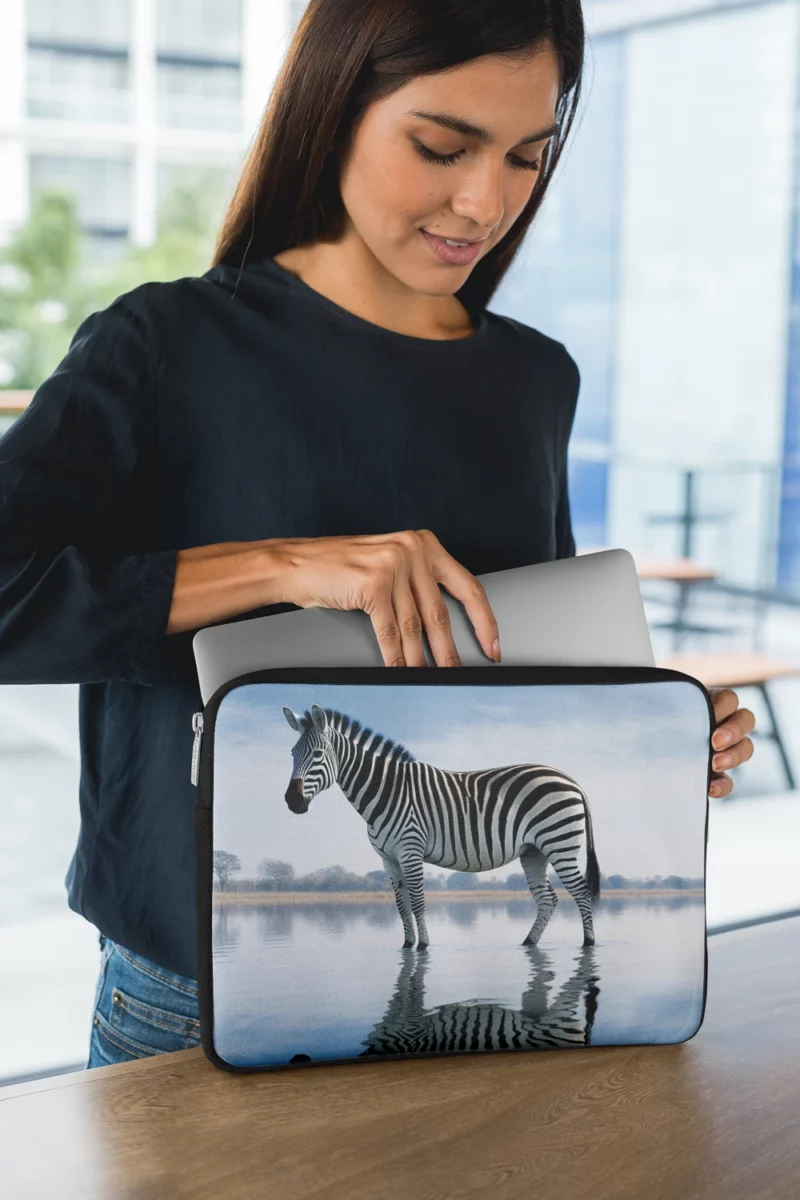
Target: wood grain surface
(716, 1117)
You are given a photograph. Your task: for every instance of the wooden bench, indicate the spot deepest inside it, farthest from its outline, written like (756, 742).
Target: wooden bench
(738, 670)
(12, 403)
(684, 573)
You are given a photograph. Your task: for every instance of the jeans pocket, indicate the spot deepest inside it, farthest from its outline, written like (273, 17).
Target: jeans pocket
(141, 1009)
(145, 1028)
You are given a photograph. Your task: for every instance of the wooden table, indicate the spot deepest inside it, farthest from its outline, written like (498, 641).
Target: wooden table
(717, 1117)
(675, 569)
(14, 403)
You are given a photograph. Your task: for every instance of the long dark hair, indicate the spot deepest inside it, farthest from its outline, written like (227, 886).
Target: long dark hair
(344, 56)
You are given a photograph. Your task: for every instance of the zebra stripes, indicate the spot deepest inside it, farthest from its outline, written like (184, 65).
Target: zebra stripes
(541, 1022)
(464, 820)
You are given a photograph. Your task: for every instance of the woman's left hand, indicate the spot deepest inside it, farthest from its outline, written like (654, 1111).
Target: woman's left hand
(729, 739)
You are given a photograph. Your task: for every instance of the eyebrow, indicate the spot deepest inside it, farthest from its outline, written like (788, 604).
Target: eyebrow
(459, 125)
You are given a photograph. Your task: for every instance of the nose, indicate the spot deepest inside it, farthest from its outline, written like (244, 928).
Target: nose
(294, 797)
(481, 201)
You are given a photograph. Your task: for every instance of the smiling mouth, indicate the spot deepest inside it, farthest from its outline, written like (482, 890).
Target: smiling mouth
(456, 241)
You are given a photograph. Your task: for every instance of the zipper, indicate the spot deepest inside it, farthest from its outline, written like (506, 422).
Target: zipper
(197, 726)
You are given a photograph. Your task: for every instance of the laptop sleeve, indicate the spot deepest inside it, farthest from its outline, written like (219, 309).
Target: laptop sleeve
(417, 861)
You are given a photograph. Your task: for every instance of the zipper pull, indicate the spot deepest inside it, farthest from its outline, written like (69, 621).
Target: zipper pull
(197, 726)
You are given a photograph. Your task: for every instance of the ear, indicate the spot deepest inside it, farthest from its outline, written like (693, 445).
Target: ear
(290, 717)
(318, 717)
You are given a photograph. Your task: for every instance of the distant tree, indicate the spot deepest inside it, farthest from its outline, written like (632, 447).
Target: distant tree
(274, 875)
(225, 865)
(516, 882)
(462, 881)
(616, 881)
(676, 881)
(379, 880)
(435, 883)
(333, 879)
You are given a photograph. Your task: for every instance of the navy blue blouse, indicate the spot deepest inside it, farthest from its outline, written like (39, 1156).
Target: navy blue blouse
(235, 407)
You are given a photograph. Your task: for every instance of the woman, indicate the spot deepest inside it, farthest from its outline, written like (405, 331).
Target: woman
(328, 417)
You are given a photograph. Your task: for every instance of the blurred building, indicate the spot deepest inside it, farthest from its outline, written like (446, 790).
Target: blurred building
(666, 259)
(121, 99)
(663, 256)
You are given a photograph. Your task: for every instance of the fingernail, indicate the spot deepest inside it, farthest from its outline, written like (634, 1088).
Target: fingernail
(496, 650)
(722, 738)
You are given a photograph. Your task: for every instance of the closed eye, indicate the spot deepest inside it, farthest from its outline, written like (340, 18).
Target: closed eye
(447, 160)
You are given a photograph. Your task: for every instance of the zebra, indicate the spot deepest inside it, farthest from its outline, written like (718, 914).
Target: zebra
(465, 820)
(473, 1025)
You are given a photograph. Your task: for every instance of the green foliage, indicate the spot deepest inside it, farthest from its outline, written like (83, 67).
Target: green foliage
(50, 279)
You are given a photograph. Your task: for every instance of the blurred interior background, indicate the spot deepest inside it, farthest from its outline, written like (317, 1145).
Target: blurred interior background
(665, 257)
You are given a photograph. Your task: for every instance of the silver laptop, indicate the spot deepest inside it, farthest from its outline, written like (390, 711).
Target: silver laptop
(585, 610)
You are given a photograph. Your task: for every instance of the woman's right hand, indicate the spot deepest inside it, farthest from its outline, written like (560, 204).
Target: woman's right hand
(394, 578)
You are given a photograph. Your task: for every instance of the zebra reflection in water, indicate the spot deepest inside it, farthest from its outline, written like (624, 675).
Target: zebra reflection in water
(567, 1020)
(464, 820)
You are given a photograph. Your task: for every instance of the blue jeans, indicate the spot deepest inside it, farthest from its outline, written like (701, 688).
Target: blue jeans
(140, 1009)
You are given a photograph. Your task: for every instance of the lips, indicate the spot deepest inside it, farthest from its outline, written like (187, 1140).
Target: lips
(452, 255)
(449, 237)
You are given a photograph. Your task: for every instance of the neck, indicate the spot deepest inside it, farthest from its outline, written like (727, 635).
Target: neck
(347, 273)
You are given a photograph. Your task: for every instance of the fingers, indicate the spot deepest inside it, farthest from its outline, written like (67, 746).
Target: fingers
(437, 620)
(464, 586)
(741, 752)
(408, 602)
(729, 739)
(725, 701)
(387, 629)
(733, 729)
(721, 784)
(408, 598)
(407, 608)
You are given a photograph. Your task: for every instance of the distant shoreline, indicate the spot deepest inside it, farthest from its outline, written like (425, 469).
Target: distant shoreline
(432, 896)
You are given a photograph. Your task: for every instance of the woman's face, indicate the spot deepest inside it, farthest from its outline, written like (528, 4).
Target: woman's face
(392, 190)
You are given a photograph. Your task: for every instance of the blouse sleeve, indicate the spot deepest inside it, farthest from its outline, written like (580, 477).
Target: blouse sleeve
(82, 599)
(565, 540)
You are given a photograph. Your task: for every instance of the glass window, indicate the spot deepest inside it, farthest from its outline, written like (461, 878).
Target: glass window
(198, 45)
(78, 87)
(78, 65)
(199, 96)
(200, 28)
(96, 22)
(101, 186)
